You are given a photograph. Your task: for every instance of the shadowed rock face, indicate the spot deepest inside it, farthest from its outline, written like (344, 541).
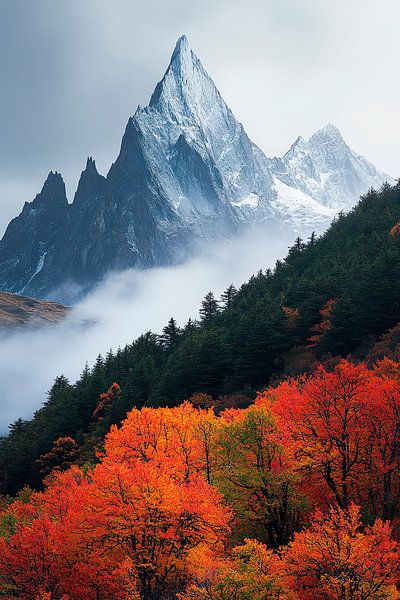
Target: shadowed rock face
(187, 174)
(19, 311)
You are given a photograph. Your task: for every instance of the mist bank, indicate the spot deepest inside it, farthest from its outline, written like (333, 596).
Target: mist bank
(124, 306)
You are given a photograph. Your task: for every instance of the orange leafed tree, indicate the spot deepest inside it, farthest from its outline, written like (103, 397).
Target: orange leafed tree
(338, 559)
(151, 496)
(126, 529)
(292, 315)
(395, 230)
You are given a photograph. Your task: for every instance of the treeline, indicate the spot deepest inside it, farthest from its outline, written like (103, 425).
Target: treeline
(296, 497)
(331, 296)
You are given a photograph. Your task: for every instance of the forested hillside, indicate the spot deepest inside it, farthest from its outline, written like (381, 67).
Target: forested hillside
(330, 297)
(294, 498)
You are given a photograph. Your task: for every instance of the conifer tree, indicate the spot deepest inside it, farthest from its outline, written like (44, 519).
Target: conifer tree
(209, 307)
(228, 295)
(312, 239)
(170, 333)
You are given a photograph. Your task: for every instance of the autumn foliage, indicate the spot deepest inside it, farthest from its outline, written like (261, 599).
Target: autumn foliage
(294, 497)
(338, 558)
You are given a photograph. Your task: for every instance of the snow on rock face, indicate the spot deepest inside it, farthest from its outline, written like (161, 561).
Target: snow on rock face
(298, 210)
(325, 168)
(187, 106)
(252, 201)
(187, 174)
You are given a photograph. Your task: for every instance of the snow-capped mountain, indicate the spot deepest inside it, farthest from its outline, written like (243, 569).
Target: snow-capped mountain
(326, 169)
(186, 174)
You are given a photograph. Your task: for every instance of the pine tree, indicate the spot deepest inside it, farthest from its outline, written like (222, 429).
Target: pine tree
(169, 334)
(312, 239)
(228, 296)
(297, 247)
(209, 307)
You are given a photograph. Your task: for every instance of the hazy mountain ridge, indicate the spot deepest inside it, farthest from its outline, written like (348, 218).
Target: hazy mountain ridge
(17, 311)
(187, 174)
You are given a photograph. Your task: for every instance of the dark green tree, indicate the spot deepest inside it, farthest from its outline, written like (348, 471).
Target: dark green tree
(228, 296)
(209, 307)
(169, 333)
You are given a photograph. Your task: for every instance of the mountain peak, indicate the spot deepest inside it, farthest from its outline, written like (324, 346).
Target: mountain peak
(91, 165)
(52, 197)
(182, 48)
(90, 187)
(53, 189)
(184, 67)
(329, 132)
(187, 175)
(54, 178)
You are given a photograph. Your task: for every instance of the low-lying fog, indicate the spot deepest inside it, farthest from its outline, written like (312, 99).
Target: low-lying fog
(124, 306)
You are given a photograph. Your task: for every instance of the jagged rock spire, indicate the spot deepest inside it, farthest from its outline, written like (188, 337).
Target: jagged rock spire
(53, 190)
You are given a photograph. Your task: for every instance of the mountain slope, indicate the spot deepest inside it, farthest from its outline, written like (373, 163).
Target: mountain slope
(263, 332)
(31, 236)
(187, 174)
(16, 311)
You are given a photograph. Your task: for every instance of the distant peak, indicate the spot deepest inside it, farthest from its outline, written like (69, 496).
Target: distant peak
(330, 128)
(54, 177)
(299, 142)
(53, 189)
(91, 165)
(330, 131)
(298, 145)
(54, 183)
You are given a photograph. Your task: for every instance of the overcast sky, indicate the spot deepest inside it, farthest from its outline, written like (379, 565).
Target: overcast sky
(72, 71)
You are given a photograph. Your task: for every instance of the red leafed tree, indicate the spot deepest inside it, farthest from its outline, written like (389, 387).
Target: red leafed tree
(319, 330)
(107, 400)
(338, 559)
(47, 552)
(63, 454)
(323, 417)
(341, 429)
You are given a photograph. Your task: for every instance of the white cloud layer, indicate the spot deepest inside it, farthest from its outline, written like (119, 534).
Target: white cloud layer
(123, 307)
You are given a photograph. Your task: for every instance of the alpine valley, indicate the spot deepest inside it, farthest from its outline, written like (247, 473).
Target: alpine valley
(187, 174)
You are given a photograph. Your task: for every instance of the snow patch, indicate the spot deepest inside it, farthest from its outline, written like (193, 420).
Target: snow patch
(251, 201)
(323, 178)
(297, 208)
(39, 267)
